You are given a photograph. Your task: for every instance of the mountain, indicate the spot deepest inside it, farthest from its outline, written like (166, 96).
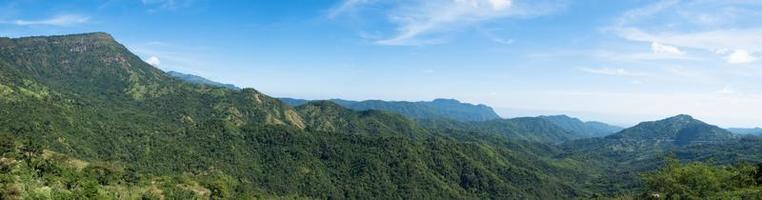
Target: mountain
(89, 99)
(293, 102)
(531, 129)
(329, 116)
(746, 131)
(586, 129)
(623, 156)
(200, 80)
(679, 130)
(527, 128)
(436, 109)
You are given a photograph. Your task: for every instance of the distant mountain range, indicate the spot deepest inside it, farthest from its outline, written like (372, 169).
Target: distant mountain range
(200, 80)
(746, 131)
(436, 109)
(551, 129)
(587, 129)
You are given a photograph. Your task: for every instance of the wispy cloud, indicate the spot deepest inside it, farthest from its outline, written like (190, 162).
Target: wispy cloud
(344, 7)
(421, 22)
(659, 48)
(60, 20)
(708, 26)
(740, 57)
(611, 71)
(166, 4)
(497, 39)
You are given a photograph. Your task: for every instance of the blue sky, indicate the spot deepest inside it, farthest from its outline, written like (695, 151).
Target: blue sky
(615, 61)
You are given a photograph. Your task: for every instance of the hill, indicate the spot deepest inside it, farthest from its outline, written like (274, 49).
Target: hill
(329, 116)
(680, 130)
(642, 148)
(527, 128)
(587, 129)
(200, 80)
(436, 109)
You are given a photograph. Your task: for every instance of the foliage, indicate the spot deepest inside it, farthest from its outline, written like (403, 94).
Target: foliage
(703, 181)
(31, 173)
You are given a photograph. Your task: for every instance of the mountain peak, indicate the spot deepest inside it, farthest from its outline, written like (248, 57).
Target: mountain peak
(80, 37)
(680, 130)
(443, 100)
(683, 117)
(93, 35)
(561, 116)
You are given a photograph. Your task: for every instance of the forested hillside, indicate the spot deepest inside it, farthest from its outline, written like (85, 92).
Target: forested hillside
(436, 109)
(586, 129)
(200, 80)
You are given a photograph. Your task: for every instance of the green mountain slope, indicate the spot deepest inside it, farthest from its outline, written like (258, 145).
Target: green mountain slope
(587, 129)
(679, 130)
(642, 148)
(200, 80)
(532, 129)
(527, 128)
(88, 97)
(29, 172)
(329, 116)
(436, 109)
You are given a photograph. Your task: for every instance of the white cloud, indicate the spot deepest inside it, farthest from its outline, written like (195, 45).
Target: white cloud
(421, 22)
(500, 4)
(710, 27)
(611, 71)
(153, 60)
(60, 20)
(740, 57)
(712, 40)
(726, 90)
(663, 49)
(344, 6)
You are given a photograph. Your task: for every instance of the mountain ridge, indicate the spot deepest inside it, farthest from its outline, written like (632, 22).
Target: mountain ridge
(682, 129)
(200, 80)
(585, 128)
(437, 108)
(746, 131)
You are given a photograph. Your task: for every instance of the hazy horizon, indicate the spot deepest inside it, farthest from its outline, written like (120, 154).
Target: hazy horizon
(619, 62)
